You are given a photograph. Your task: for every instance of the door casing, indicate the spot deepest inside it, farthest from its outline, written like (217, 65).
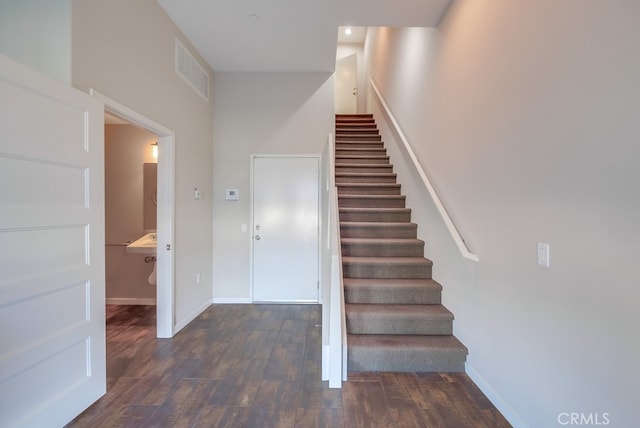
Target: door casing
(165, 291)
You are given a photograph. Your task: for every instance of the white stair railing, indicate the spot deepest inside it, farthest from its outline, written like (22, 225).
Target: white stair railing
(337, 337)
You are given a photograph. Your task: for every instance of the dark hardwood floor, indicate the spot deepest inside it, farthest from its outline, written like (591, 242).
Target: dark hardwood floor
(259, 366)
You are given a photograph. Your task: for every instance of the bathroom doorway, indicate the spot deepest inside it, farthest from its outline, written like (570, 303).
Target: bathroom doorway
(130, 169)
(164, 288)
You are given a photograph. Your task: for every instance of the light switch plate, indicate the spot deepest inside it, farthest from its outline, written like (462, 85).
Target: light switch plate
(543, 254)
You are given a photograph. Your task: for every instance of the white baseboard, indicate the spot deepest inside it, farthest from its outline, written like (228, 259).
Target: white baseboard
(231, 300)
(130, 301)
(495, 398)
(193, 315)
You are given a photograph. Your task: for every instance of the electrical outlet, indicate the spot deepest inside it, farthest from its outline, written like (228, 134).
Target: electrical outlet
(198, 278)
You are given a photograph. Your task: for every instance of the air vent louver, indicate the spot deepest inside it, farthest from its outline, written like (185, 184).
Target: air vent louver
(191, 71)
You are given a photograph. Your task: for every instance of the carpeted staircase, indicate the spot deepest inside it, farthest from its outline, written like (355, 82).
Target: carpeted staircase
(395, 319)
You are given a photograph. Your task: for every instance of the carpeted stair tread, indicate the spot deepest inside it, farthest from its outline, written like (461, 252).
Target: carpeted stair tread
(371, 159)
(383, 241)
(372, 201)
(382, 247)
(403, 353)
(386, 267)
(392, 291)
(390, 260)
(360, 144)
(357, 229)
(360, 151)
(365, 189)
(363, 168)
(356, 177)
(398, 319)
(378, 215)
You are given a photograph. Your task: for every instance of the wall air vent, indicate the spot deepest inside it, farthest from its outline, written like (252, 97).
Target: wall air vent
(191, 71)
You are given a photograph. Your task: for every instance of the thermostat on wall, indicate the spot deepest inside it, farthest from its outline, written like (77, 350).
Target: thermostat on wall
(232, 195)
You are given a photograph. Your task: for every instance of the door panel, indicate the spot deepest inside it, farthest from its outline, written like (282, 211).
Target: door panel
(285, 229)
(52, 344)
(346, 85)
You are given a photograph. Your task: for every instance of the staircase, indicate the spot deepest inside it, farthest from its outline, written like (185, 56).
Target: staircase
(395, 319)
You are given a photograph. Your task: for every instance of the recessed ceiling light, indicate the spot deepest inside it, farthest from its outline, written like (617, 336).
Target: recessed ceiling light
(347, 31)
(254, 18)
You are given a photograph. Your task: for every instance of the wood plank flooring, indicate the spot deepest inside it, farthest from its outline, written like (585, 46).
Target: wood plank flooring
(259, 366)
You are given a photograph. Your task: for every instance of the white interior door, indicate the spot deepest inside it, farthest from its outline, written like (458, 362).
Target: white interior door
(52, 340)
(346, 85)
(285, 229)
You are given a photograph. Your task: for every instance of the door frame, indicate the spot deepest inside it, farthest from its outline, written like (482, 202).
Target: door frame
(252, 220)
(165, 288)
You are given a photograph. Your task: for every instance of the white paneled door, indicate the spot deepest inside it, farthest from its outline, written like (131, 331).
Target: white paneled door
(285, 234)
(52, 335)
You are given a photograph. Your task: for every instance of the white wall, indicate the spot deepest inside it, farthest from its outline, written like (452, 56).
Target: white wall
(37, 33)
(127, 149)
(125, 50)
(524, 115)
(258, 113)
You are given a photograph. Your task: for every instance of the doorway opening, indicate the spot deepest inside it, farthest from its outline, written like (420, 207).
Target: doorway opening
(350, 93)
(165, 318)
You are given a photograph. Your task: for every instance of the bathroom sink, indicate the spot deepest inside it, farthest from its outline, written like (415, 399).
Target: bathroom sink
(148, 244)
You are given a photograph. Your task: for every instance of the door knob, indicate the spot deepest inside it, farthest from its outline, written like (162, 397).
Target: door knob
(257, 237)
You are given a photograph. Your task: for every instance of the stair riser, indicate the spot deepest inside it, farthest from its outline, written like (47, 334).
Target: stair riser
(363, 160)
(354, 116)
(363, 168)
(398, 232)
(375, 250)
(392, 296)
(360, 144)
(363, 202)
(366, 324)
(366, 270)
(355, 127)
(372, 178)
(356, 130)
(353, 120)
(398, 360)
(361, 152)
(368, 190)
(345, 137)
(376, 216)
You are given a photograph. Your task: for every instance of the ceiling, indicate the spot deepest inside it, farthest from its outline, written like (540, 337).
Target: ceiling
(287, 35)
(357, 35)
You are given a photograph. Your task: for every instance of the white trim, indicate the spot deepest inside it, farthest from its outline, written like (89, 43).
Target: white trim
(514, 419)
(130, 301)
(231, 301)
(451, 227)
(165, 290)
(193, 315)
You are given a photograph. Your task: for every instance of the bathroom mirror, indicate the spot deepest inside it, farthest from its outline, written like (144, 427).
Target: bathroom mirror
(150, 195)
